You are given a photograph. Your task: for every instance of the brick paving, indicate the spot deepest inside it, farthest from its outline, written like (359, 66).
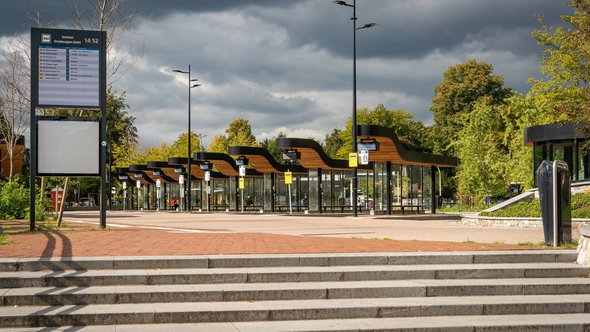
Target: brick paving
(149, 242)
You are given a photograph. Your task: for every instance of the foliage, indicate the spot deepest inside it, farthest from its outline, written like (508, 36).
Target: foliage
(462, 86)
(3, 239)
(530, 209)
(483, 156)
(239, 133)
(270, 145)
(459, 208)
(565, 63)
(581, 205)
(14, 200)
(580, 208)
(333, 143)
(219, 143)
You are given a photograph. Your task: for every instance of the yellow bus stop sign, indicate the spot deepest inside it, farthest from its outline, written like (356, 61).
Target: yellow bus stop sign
(288, 178)
(353, 159)
(241, 183)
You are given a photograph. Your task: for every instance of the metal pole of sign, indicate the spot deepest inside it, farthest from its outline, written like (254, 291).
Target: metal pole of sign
(242, 195)
(290, 204)
(554, 202)
(124, 197)
(138, 198)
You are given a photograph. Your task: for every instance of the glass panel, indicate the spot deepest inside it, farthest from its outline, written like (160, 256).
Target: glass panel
(540, 154)
(427, 188)
(267, 191)
(380, 187)
(396, 186)
(327, 200)
(406, 189)
(583, 170)
(564, 152)
(233, 193)
(416, 189)
(304, 191)
(313, 190)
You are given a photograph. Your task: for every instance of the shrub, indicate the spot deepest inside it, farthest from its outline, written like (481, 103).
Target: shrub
(581, 205)
(521, 209)
(14, 200)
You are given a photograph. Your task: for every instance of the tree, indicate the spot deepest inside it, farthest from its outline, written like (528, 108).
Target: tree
(219, 143)
(483, 156)
(239, 133)
(333, 143)
(462, 86)
(270, 145)
(180, 147)
(565, 63)
(14, 102)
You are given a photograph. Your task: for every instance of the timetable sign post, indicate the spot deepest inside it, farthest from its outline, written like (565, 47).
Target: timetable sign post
(67, 69)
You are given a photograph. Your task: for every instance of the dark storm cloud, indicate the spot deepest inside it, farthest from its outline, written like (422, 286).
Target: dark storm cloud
(287, 65)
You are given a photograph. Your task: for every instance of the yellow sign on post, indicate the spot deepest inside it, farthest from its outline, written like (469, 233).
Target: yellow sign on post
(353, 159)
(241, 183)
(288, 178)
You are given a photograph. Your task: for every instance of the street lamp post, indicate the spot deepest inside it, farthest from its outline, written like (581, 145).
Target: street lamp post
(354, 135)
(190, 86)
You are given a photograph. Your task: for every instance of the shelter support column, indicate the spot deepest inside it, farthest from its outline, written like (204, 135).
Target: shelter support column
(388, 186)
(433, 199)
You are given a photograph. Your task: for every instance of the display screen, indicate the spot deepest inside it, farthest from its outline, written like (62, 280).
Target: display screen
(68, 68)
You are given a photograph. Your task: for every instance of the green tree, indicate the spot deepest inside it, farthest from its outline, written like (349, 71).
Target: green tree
(462, 86)
(565, 62)
(180, 147)
(270, 144)
(482, 170)
(333, 143)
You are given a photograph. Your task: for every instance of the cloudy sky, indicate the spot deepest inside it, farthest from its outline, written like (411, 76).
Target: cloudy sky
(287, 65)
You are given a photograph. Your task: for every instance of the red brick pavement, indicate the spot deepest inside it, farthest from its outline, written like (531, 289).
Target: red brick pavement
(145, 242)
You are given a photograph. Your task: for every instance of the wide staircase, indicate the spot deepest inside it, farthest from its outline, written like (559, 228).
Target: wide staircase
(450, 291)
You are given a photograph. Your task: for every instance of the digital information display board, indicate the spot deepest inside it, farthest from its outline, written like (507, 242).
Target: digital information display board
(68, 67)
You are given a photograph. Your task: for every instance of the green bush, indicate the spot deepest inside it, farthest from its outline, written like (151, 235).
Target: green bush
(580, 208)
(581, 205)
(14, 200)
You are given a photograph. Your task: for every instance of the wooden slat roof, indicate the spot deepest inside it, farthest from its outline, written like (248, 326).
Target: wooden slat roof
(263, 161)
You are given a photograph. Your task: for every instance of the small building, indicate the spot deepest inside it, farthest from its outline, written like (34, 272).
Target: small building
(556, 141)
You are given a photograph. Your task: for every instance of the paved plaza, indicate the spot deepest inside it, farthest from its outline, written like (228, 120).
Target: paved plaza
(136, 233)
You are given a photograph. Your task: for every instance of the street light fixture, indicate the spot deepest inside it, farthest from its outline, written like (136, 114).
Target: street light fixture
(354, 134)
(190, 86)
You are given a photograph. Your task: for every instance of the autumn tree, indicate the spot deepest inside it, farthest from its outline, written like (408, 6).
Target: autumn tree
(333, 143)
(239, 132)
(462, 86)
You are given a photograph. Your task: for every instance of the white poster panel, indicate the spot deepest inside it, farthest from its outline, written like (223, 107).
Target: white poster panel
(68, 148)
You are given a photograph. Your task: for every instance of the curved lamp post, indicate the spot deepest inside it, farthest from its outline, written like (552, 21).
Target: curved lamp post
(190, 86)
(354, 136)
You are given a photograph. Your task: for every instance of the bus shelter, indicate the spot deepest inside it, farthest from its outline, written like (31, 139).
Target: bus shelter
(329, 180)
(275, 192)
(252, 192)
(403, 179)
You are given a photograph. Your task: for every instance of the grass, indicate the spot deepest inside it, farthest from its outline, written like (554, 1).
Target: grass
(468, 241)
(499, 242)
(460, 208)
(49, 226)
(531, 244)
(3, 239)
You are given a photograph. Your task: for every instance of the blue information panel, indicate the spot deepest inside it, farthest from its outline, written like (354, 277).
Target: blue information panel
(68, 68)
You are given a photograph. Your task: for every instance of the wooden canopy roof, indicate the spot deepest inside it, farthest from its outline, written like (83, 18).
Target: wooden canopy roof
(263, 161)
(313, 155)
(224, 163)
(196, 172)
(391, 149)
(143, 178)
(149, 172)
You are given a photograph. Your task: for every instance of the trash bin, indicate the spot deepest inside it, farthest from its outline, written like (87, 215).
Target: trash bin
(553, 178)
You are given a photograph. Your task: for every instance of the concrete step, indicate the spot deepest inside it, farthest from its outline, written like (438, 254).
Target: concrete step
(238, 261)
(71, 278)
(291, 291)
(165, 313)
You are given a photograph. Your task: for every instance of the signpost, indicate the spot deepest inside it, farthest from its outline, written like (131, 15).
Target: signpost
(241, 185)
(68, 70)
(181, 191)
(138, 186)
(363, 157)
(124, 195)
(207, 179)
(353, 159)
(288, 182)
(158, 193)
